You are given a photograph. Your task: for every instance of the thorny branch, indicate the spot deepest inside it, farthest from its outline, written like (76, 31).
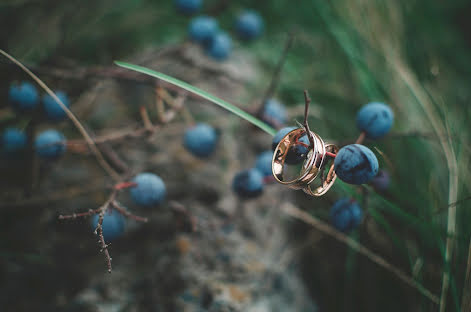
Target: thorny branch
(110, 203)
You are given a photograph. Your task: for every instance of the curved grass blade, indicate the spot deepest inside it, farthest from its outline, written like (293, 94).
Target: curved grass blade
(233, 109)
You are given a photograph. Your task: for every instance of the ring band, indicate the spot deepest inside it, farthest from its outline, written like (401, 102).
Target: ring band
(312, 166)
(327, 182)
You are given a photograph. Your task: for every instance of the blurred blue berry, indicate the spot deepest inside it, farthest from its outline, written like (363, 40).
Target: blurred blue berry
(50, 144)
(355, 164)
(297, 153)
(188, 6)
(274, 113)
(249, 25)
(263, 163)
(220, 46)
(248, 183)
(13, 141)
(345, 214)
(203, 29)
(113, 224)
(150, 190)
(280, 135)
(200, 140)
(375, 119)
(381, 181)
(53, 110)
(23, 97)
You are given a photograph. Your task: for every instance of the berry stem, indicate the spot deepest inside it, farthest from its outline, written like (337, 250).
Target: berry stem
(361, 138)
(331, 154)
(124, 185)
(145, 118)
(116, 205)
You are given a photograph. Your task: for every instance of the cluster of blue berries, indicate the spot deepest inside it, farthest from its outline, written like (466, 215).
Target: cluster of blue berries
(355, 163)
(49, 144)
(216, 42)
(149, 191)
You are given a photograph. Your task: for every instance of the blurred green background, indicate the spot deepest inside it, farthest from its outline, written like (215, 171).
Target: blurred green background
(413, 55)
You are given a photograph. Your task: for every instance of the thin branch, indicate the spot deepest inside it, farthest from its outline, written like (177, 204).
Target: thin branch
(277, 73)
(110, 171)
(307, 102)
(116, 205)
(361, 138)
(101, 239)
(297, 213)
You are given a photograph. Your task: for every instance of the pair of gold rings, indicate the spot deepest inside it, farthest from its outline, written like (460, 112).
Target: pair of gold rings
(314, 165)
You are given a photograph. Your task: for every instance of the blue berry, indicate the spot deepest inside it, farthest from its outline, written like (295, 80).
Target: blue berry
(13, 141)
(248, 183)
(345, 214)
(263, 163)
(249, 25)
(297, 153)
(53, 110)
(23, 97)
(381, 181)
(356, 164)
(202, 29)
(375, 119)
(149, 191)
(50, 144)
(201, 140)
(113, 224)
(188, 6)
(280, 135)
(274, 112)
(220, 46)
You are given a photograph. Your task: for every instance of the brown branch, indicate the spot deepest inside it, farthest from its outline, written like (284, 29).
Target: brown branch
(307, 102)
(277, 73)
(116, 205)
(297, 213)
(361, 138)
(101, 239)
(88, 213)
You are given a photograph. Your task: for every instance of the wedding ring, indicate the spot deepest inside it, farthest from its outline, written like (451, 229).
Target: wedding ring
(326, 181)
(312, 166)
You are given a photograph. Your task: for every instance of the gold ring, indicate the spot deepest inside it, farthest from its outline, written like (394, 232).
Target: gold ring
(326, 181)
(312, 166)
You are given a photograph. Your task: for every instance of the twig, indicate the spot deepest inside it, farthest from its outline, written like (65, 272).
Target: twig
(101, 239)
(361, 138)
(88, 213)
(307, 102)
(277, 73)
(145, 118)
(71, 116)
(116, 205)
(297, 213)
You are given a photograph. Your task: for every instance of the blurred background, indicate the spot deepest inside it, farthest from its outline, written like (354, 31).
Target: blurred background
(205, 249)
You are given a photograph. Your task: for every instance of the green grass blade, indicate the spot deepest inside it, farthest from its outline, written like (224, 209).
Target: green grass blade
(233, 109)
